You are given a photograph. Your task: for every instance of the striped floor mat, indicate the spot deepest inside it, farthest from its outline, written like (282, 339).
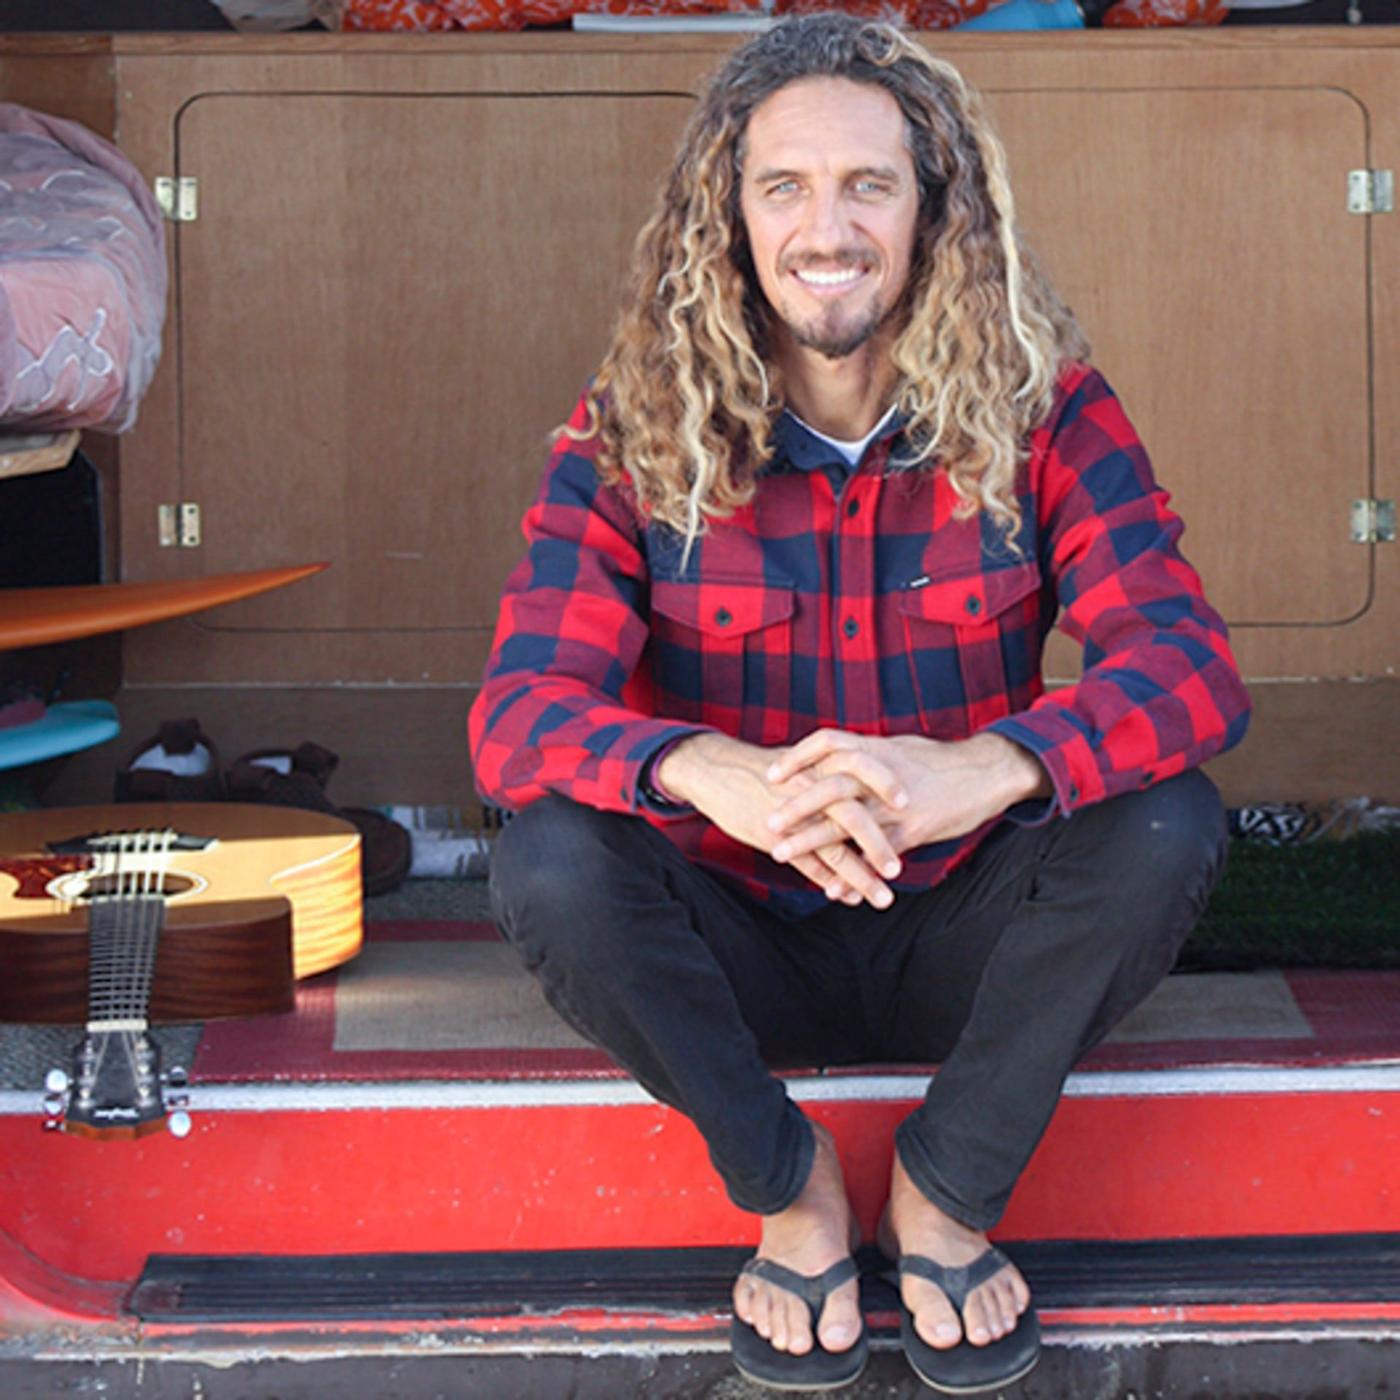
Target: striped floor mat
(439, 999)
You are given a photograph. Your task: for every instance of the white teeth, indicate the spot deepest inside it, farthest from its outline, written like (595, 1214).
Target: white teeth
(829, 279)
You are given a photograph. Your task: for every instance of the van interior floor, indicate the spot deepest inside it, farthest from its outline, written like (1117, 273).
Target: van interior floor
(423, 1149)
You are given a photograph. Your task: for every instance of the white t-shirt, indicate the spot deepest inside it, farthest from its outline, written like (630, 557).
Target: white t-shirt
(851, 449)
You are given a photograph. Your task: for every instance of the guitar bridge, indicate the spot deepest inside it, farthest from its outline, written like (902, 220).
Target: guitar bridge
(96, 842)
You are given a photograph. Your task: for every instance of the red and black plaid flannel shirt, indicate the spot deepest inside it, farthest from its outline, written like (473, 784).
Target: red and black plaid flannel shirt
(857, 603)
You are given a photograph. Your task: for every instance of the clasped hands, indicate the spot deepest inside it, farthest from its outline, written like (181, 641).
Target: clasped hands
(842, 808)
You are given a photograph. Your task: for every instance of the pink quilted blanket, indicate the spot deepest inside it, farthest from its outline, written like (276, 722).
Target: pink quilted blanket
(82, 277)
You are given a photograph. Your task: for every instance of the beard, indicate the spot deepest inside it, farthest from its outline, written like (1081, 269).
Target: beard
(830, 332)
(835, 341)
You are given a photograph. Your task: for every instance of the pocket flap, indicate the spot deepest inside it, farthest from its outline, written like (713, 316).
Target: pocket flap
(722, 606)
(971, 599)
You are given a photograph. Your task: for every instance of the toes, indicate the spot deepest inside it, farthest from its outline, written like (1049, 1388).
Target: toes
(761, 1319)
(840, 1320)
(980, 1328)
(792, 1328)
(992, 1310)
(784, 1322)
(743, 1299)
(1007, 1303)
(934, 1318)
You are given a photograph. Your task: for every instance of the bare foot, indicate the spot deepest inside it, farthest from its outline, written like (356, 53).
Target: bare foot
(912, 1224)
(811, 1235)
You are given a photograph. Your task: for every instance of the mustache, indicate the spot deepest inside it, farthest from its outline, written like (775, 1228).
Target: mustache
(837, 261)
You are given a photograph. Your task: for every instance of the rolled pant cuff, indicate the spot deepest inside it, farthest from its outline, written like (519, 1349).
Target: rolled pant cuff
(914, 1159)
(802, 1156)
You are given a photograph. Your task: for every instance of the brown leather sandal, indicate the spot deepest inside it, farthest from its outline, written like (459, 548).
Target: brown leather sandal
(297, 778)
(180, 763)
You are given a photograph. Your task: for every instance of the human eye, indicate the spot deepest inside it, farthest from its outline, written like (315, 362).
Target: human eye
(872, 187)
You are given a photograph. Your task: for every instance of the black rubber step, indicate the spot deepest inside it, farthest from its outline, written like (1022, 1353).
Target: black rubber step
(1061, 1273)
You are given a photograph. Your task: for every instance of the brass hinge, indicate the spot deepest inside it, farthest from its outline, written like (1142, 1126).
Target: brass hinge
(178, 525)
(1370, 191)
(179, 198)
(1373, 522)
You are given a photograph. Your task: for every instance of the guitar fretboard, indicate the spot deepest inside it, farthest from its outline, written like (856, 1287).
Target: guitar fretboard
(125, 915)
(124, 934)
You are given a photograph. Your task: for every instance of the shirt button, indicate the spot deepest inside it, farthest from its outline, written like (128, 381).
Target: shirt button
(852, 507)
(850, 627)
(973, 604)
(723, 616)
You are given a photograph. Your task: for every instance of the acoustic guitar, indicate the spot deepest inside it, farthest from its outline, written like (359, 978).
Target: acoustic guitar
(126, 916)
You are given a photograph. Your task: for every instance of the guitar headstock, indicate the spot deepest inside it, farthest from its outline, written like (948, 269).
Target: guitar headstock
(116, 1089)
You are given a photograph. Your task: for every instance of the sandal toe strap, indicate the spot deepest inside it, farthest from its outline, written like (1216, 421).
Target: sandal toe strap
(812, 1289)
(956, 1281)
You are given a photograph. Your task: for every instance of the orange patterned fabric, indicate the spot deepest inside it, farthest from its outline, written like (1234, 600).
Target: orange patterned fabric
(512, 14)
(1152, 14)
(917, 14)
(518, 14)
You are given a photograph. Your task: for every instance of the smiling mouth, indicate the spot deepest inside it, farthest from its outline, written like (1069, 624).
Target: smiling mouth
(828, 281)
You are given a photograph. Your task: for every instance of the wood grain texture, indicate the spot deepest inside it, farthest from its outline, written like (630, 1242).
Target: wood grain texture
(63, 75)
(39, 452)
(266, 862)
(1187, 189)
(235, 961)
(1266, 511)
(1307, 741)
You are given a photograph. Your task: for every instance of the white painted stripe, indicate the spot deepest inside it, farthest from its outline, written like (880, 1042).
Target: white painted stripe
(350, 1342)
(872, 1088)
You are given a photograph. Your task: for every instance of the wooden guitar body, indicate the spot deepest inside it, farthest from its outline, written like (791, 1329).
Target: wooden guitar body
(263, 894)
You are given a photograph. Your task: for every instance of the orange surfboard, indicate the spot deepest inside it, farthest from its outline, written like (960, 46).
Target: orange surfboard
(31, 617)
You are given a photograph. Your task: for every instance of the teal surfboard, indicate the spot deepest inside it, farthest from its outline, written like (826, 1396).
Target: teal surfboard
(65, 728)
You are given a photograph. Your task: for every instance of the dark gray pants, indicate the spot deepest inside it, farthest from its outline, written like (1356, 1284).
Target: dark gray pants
(1006, 974)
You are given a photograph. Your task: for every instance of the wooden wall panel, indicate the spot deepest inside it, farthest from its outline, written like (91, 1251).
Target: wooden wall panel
(456, 263)
(63, 75)
(1363, 69)
(1309, 742)
(1207, 248)
(1269, 522)
(1202, 147)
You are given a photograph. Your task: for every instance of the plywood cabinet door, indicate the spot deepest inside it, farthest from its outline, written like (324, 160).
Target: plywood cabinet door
(396, 287)
(386, 305)
(1204, 239)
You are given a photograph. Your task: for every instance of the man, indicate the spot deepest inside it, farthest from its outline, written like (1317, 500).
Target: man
(766, 694)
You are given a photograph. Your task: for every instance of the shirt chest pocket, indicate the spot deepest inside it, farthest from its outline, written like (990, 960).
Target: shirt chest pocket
(973, 642)
(721, 653)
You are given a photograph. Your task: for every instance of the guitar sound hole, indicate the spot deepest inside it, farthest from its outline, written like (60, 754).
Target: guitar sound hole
(110, 886)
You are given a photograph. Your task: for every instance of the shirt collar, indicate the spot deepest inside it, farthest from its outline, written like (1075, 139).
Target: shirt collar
(797, 448)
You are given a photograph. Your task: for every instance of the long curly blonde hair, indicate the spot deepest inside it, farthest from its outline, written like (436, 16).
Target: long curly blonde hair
(686, 398)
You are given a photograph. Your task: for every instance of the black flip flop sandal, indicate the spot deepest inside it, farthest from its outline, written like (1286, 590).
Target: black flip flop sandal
(819, 1369)
(965, 1369)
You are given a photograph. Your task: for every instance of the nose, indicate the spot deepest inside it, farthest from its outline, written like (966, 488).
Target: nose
(828, 224)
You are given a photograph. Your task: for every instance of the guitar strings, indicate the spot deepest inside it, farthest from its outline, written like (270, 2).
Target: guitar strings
(126, 917)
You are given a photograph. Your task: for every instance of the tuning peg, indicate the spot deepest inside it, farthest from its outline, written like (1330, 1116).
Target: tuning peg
(56, 1082)
(177, 1076)
(179, 1124)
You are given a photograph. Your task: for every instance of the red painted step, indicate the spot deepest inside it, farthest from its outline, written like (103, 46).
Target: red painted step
(422, 1100)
